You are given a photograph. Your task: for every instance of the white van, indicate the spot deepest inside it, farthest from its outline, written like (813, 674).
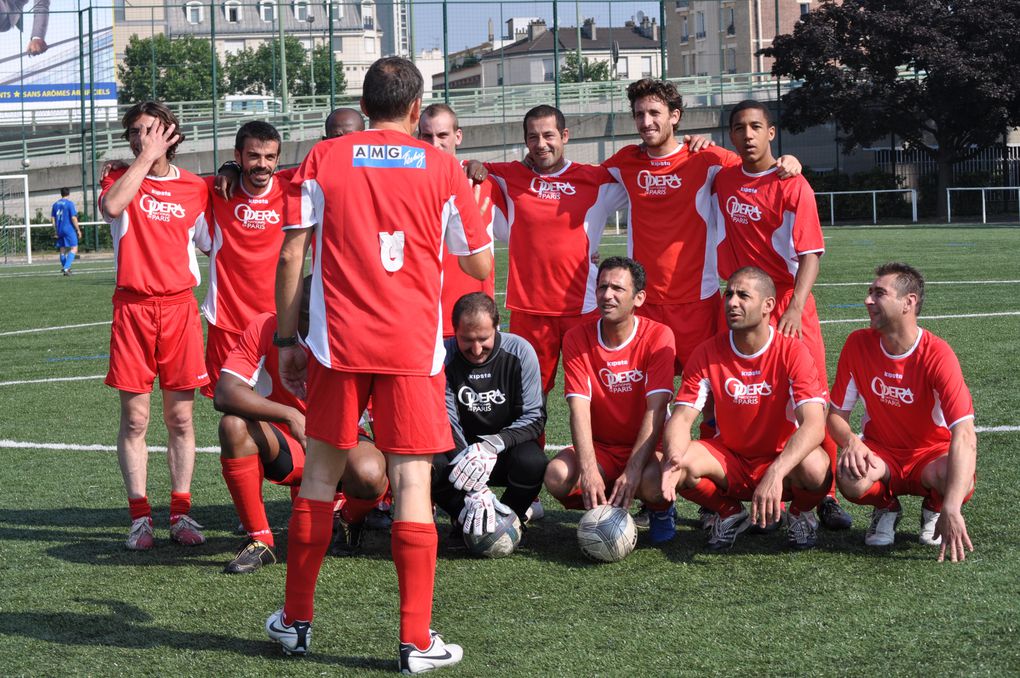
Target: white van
(251, 104)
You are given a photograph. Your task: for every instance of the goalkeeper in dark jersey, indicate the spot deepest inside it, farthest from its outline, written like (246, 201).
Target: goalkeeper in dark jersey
(494, 400)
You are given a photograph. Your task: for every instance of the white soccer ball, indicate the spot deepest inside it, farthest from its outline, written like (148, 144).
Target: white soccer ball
(499, 543)
(607, 533)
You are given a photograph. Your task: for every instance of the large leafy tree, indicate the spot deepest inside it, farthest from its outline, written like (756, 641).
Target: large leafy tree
(257, 71)
(592, 70)
(179, 69)
(939, 74)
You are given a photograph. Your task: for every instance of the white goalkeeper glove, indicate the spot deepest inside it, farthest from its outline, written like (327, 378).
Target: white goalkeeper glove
(479, 513)
(472, 467)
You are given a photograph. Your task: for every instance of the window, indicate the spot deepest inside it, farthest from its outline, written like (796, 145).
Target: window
(646, 67)
(682, 4)
(267, 10)
(699, 25)
(547, 66)
(232, 11)
(338, 11)
(233, 46)
(622, 68)
(301, 10)
(685, 32)
(118, 10)
(370, 45)
(731, 60)
(369, 22)
(684, 68)
(805, 8)
(731, 22)
(193, 12)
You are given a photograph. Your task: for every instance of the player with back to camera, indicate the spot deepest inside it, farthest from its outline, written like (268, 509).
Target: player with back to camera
(379, 204)
(618, 374)
(494, 401)
(770, 414)
(773, 224)
(919, 436)
(157, 214)
(262, 434)
(64, 216)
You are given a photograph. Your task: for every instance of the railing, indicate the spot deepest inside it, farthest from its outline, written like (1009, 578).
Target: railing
(874, 201)
(984, 202)
(25, 230)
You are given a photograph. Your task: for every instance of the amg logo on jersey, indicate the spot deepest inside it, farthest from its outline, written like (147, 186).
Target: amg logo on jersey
(479, 402)
(741, 212)
(891, 395)
(371, 155)
(551, 190)
(747, 394)
(255, 219)
(620, 382)
(653, 184)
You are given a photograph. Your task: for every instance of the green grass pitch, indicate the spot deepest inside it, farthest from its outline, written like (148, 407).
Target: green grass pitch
(73, 601)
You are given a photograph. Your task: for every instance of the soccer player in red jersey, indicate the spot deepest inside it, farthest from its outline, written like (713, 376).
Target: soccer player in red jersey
(770, 416)
(619, 379)
(439, 126)
(773, 224)
(157, 214)
(379, 205)
(918, 436)
(262, 434)
(246, 233)
(555, 213)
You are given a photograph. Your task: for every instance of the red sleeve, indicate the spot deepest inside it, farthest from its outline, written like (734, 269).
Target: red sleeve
(720, 156)
(947, 377)
(844, 392)
(576, 369)
(465, 232)
(695, 386)
(616, 160)
(286, 174)
(246, 359)
(659, 375)
(807, 229)
(803, 374)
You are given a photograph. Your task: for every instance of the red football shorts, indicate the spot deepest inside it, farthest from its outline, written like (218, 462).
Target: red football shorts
(742, 473)
(811, 330)
(905, 470)
(545, 334)
(218, 345)
(291, 447)
(691, 323)
(156, 336)
(612, 461)
(408, 412)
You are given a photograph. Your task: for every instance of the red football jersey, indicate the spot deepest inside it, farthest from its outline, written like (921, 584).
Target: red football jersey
(672, 229)
(911, 401)
(154, 238)
(256, 361)
(457, 283)
(381, 203)
(246, 233)
(553, 224)
(755, 395)
(766, 222)
(618, 381)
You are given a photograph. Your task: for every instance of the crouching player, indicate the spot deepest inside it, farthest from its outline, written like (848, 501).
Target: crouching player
(494, 401)
(919, 433)
(618, 374)
(262, 434)
(757, 376)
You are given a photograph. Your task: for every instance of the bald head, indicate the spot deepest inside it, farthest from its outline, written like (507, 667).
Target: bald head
(762, 282)
(344, 121)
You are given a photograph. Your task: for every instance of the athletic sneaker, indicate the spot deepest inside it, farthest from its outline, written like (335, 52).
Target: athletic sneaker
(141, 538)
(832, 515)
(770, 527)
(707, 519)
(253, 555)
(928, 520)
(185, 531)
(801, 530)
(642, 519)
(294, 638)
(882, 530)
(67, 271)
(535, 512)
(662, 525)
(437, 655)
(346, 537)
(725, 530)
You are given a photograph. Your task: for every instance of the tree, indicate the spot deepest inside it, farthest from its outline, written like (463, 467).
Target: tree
(939, 74)
(170, 70)
(592, 70)
(257, 71)
(321, 57)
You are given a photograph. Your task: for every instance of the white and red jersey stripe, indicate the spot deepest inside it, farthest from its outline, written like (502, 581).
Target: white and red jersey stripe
(672, 227)
(256, 361)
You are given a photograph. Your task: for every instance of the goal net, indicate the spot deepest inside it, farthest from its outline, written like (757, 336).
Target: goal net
(15, 230)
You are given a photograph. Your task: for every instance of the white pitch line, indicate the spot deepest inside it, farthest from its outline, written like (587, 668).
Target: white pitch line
(52, 379)
(54, 273)
(927, 282)
(53, 329)
(924, 318)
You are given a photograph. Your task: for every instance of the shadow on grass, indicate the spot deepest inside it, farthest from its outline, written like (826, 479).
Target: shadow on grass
(128, 626)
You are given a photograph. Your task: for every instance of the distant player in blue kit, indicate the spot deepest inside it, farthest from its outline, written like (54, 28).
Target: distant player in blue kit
(65, 221)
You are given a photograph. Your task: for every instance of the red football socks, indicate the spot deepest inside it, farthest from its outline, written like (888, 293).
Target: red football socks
(414, 554)
(180, 504)
(354, 509)
(830, 448)
(804, 500)
(706, 493)
(311, 526)
(244, 481)
(878, 495)
(139, 508)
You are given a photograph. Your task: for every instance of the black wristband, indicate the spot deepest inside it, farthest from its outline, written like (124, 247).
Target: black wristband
(284, 342)
(230, 164)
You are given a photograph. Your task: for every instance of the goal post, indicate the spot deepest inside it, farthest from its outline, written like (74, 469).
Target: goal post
(15, 226)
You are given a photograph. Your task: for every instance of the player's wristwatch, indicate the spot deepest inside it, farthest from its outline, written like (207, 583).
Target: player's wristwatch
(284, 342)
(230, 164)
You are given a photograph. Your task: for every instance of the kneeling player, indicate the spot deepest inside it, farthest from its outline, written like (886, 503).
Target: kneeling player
(618, 375)
(757, 376)
(494, 401)
(919, 433)
(262, 434)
